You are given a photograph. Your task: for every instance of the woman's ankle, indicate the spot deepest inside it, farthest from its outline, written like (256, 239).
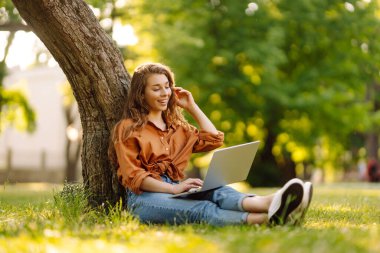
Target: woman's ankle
(257, 218)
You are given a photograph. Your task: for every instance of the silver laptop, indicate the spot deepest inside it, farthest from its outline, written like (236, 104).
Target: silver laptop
(228, 165)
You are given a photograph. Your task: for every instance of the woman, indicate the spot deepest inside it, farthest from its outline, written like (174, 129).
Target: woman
(152, 145)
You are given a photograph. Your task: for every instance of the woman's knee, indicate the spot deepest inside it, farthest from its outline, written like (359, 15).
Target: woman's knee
(229, 199)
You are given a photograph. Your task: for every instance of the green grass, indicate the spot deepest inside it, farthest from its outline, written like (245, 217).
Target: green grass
(342, 218)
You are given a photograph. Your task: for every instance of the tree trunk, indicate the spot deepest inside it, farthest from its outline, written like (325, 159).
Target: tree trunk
(72, 150)
(94, 67)
(372, 136)
(266, 172)
(72, 157)
(372, 145)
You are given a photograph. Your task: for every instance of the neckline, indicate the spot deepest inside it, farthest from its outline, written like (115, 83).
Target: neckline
(163, 130)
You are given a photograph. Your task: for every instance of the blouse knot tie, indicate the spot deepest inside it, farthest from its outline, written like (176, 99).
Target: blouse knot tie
(165, 167)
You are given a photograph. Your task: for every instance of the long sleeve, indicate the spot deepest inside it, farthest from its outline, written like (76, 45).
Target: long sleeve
(130, 172)
(207, 141)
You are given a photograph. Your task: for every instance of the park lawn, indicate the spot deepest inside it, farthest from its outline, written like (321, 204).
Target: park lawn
(342, 218)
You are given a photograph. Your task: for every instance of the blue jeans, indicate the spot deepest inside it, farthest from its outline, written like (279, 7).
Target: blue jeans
(219, 207)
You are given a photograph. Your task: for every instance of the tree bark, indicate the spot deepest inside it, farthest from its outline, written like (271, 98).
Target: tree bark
(94, 67)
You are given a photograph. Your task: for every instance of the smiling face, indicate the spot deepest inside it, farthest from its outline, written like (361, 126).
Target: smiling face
(157, 92)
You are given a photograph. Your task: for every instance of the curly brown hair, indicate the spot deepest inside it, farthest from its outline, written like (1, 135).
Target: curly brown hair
(137, 109)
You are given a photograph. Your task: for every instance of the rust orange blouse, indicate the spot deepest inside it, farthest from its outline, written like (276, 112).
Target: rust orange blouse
(151, 151)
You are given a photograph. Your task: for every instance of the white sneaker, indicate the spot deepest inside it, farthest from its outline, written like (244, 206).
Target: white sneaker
(285, 201)
(298, 215)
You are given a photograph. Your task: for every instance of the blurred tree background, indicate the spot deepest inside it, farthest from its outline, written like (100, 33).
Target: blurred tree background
(14, 107)
(300, 76)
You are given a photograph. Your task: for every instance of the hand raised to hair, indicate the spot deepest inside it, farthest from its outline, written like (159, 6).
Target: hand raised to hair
(184, 98)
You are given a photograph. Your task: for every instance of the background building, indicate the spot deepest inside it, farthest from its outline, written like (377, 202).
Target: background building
(41, 155)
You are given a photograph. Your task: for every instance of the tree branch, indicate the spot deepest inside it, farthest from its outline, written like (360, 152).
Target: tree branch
(14, 27)
(6, 49)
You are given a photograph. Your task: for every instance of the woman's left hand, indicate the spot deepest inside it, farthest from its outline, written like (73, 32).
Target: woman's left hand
(184, 98)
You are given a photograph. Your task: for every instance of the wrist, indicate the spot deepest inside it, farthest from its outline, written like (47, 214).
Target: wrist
(192, 108)
(171, 189)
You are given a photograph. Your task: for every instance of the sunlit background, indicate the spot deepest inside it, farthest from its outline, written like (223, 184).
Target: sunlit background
(300, 76)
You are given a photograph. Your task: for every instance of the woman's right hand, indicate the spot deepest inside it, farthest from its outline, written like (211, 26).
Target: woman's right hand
(186, 185)
(184, 98)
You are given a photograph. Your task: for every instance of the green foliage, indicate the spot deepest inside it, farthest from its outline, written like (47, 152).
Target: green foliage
(8, 12)
(72, 203)
(299, 75)
(268, 69)
(16, 111)
(73, 207)
(341, 218)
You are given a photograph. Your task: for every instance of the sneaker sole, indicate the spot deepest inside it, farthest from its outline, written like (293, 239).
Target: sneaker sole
(293, 191)
(308, 203)
(299, 221)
